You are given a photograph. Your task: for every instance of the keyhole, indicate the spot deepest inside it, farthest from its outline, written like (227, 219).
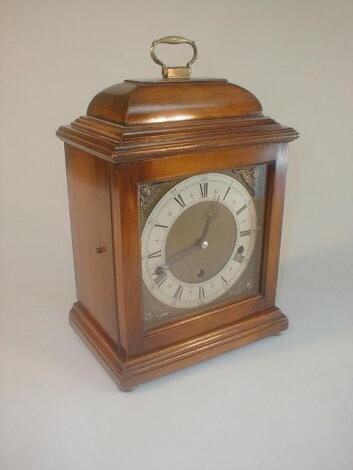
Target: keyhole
(201, 273)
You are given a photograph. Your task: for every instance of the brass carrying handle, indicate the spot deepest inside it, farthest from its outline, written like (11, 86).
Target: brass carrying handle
(174, 72)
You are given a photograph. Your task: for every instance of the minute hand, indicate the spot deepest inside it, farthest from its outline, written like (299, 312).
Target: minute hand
(180, 255)
(210, 215)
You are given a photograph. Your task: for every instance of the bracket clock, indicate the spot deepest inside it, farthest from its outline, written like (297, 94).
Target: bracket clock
(176, 191)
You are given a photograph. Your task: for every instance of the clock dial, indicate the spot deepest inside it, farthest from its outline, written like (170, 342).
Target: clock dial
(198, 240)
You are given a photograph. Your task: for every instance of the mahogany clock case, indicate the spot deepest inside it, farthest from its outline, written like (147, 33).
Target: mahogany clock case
(149, 131)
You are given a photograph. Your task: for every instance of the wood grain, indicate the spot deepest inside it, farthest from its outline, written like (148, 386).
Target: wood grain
(117, 143)
(143, 102)
(88, 180)
(129, 372)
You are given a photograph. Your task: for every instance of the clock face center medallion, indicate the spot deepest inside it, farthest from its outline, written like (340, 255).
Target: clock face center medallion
(201, 240)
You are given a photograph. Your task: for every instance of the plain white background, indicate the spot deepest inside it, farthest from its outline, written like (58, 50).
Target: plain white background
(282, 403)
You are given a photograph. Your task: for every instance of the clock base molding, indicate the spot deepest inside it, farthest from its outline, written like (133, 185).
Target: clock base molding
(128, 372)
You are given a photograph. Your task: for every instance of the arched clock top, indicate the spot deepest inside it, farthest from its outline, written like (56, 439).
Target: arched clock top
(135, 102)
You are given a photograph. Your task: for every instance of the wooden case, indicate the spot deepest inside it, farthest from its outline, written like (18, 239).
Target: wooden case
(144, 131)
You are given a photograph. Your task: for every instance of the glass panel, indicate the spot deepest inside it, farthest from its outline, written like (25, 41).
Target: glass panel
(201, 242)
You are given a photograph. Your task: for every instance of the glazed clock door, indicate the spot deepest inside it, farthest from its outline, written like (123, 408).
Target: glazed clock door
(201, 242)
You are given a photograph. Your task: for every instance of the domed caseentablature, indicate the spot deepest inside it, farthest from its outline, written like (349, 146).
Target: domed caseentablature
(144, 102)
(133, 118)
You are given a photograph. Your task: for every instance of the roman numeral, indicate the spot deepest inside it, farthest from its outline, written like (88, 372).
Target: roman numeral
(224, 280)
(178, 293)
(161, 226)
(160, 278)
(226, 193)
(180, 201)
(201, 293)
(241, 209)
(239, 258)
(204, 189)
(156, 254)
(245, 233)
